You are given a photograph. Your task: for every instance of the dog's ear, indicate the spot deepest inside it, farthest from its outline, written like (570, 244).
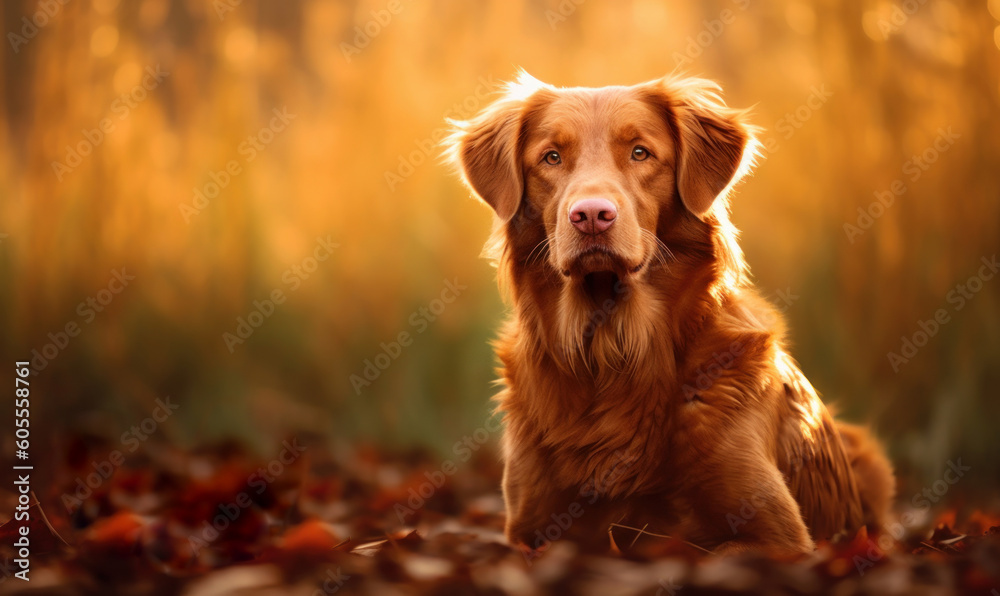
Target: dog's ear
(486, 148)
(716, 147)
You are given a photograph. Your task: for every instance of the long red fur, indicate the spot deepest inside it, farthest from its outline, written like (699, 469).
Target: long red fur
(669, 402)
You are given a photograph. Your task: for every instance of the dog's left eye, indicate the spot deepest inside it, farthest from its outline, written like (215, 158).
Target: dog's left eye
(640, 153)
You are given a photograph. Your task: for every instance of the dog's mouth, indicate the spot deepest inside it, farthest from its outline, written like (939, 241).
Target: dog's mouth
(602, 286)
(601, 273)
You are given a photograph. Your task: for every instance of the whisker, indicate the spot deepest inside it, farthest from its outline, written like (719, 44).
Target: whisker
(663, 252)
(540, 248)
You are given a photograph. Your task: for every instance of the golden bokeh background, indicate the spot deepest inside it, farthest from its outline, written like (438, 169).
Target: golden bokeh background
(849, 94)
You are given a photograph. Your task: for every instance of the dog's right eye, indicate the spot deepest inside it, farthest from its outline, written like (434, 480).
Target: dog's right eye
(552, 158)
(640, 153)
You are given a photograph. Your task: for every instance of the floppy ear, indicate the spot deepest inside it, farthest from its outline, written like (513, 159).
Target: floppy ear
(486, 148)
(716, 148)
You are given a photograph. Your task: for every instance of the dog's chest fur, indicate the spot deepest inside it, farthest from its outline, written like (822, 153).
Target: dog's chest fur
(606, 443)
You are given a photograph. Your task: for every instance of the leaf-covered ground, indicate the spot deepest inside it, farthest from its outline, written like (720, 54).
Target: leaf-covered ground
(316, 520)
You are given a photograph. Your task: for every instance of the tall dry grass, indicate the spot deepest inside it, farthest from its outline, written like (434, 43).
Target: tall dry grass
(356, 119)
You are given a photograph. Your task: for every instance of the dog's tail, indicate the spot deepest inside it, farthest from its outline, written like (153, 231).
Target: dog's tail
(873, 472)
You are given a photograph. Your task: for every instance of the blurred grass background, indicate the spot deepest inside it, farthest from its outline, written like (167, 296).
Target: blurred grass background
(355, 163)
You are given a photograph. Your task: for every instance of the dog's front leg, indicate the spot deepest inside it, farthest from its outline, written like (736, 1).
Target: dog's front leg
(529, 496)
(743, 504)
(540, 512)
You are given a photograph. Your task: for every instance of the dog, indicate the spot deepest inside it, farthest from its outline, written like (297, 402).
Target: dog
(645, 381)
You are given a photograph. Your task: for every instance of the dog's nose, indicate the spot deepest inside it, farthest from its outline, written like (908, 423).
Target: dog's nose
(593, 216)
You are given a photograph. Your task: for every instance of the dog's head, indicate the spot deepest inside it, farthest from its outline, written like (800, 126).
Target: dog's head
(605, 189)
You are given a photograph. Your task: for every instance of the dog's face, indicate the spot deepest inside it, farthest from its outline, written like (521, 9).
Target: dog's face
(598, 186)
(598, 164)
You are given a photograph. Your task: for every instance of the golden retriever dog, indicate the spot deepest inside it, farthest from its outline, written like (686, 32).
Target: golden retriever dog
(646, 382)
